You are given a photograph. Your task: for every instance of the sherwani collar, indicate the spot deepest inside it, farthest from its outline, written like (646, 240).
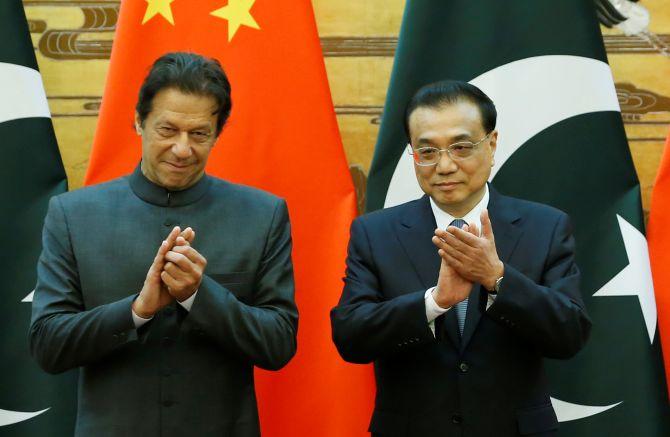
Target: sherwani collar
(161, 196)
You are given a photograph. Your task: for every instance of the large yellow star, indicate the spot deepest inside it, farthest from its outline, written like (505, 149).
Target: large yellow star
(238, 14)
(161, 7)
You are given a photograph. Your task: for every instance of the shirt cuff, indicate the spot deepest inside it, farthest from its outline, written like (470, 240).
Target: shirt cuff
(139, 321)
(433, 310)
(188, 303)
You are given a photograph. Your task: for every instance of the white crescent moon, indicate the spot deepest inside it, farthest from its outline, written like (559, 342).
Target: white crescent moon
(530, 95)
(25, 98)
(10, 417)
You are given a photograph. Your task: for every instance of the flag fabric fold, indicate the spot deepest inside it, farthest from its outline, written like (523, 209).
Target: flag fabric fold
(659, 250)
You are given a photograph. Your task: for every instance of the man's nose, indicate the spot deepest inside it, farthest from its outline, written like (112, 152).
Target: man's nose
(445, 164)
(181, 148)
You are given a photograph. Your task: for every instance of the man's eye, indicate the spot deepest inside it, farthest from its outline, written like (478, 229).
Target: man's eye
(199, 136)
(164, 130)
(427, 152)
(461, 147)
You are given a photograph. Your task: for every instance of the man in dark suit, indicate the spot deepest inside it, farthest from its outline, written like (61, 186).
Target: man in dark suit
(166, 327)
(458, 296)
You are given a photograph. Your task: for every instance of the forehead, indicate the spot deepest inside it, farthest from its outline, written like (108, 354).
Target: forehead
(461, 119)
(174, 105)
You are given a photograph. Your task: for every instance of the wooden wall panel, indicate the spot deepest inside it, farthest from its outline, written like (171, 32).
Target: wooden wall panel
(73, 38)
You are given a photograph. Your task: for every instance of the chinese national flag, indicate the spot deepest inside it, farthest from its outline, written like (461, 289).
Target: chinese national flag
(284, 123)
(658, 236)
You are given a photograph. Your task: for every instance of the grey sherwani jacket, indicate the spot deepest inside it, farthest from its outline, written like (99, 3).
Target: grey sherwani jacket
(182, 373)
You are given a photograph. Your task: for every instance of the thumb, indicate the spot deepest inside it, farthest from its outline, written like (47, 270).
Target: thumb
(487, 229)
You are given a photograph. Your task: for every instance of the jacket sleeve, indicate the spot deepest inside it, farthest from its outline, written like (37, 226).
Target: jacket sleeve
(551, 314)
(63, 333)
(263, 333)
(365, 324)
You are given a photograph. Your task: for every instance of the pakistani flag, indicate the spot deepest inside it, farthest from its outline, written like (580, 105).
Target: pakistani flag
(32, 403)
(561, 142)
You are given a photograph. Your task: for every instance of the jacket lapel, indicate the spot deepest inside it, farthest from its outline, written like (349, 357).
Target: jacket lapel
(415, 231)
(476, 306)
(504, 220)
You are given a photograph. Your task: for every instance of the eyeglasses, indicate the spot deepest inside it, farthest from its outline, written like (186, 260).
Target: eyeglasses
(426, 156)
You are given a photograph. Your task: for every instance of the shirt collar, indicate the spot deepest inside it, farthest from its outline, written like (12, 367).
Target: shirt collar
(443, 219)
(161, 196)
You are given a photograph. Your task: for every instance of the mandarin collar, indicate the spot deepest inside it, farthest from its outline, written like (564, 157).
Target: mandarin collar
(161, 196)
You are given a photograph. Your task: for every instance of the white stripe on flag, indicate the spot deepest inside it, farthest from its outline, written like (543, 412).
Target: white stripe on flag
(21, 93)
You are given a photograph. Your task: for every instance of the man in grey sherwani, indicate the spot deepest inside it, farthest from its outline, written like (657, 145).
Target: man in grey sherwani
(166, 287)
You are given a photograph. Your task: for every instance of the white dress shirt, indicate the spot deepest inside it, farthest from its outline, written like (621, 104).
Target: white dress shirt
(443, 220)
(186, 304)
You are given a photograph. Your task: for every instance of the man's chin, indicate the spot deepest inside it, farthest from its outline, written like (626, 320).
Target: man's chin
(447, 199)
(176, 184)
(451, 203)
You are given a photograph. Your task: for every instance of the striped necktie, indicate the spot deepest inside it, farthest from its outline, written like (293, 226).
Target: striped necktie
(461, 307)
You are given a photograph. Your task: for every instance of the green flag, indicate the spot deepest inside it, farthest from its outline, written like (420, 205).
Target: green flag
(561, 142)
(32, 403)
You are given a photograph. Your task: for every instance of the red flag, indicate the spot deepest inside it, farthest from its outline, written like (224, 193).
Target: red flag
(283, 119)
(658, 237)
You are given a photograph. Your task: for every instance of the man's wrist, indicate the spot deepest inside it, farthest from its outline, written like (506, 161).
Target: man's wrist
(139, 310)
(439, 303)
(494, 281)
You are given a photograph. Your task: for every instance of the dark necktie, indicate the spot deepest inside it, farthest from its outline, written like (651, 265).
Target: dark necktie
(461, 307)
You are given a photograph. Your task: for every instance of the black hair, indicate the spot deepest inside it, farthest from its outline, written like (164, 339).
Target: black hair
(189, 73)
(448, 92)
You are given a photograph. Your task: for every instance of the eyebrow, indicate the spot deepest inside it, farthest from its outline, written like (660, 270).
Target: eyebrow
(456, 139)
(462, 137)
(203, 127)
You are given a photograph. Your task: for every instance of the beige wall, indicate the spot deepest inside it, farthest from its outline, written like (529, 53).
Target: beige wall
(73, 39)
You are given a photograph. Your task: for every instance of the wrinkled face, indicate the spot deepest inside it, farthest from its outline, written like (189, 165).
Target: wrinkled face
(177, 136)
(455, 186)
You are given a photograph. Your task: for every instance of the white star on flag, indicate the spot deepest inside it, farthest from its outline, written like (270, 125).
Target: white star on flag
(635, 279)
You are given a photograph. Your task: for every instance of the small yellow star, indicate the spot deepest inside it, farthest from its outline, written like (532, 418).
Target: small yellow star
(238, 14)
(161, 7)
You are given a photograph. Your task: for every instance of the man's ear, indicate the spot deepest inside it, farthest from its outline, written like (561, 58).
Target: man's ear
(138, 124)
(493, 142)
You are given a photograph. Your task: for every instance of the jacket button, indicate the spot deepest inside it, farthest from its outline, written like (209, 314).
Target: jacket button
(464, 367)
(167, 341)
(457, 419)
(168, 403)
(167, 223)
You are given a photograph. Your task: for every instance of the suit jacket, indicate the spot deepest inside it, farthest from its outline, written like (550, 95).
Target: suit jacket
(491, 381)
(182, 373)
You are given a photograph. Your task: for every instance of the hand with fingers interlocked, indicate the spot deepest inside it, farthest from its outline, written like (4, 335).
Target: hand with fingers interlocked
(472, 256)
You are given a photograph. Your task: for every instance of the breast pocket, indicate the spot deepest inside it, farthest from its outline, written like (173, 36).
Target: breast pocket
(239, 283)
